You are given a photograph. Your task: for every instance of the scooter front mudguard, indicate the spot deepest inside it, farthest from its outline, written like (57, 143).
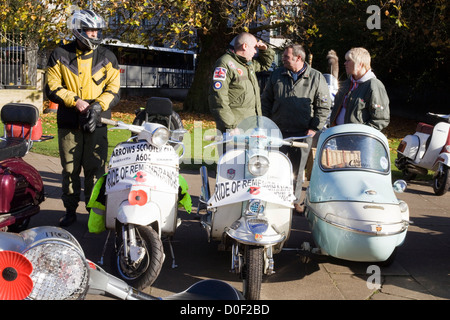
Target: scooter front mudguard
(240, 232)
(139, 215)
(443, 159)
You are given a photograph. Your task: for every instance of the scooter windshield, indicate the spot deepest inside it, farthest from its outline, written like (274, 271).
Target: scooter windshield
(354, 152)
(259, 126)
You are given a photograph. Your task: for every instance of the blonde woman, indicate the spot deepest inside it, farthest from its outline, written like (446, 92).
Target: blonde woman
(362, 98)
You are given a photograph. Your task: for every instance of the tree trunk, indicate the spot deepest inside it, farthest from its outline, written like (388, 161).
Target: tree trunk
(212, 48)
(213, 44)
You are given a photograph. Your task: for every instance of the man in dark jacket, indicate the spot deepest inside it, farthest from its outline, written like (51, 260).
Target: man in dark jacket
(297, 99)
(84, 80)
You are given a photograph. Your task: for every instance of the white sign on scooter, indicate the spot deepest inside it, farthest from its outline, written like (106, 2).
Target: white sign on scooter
(142, 152)
(140, 163)
(232, 191)
(161, 178)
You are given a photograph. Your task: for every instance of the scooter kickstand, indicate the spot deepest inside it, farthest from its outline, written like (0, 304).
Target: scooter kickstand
(100, 262)
(174, 265)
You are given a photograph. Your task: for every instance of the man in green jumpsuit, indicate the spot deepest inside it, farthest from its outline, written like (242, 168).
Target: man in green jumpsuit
(234, 93)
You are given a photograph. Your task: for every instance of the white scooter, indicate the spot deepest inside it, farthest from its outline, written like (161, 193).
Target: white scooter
(427, 149)
(48, 263)
(251, 207)
(142, 189)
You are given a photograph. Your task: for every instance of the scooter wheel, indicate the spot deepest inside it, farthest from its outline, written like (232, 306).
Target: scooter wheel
(441, 183)
(142, 274)
(252, 272)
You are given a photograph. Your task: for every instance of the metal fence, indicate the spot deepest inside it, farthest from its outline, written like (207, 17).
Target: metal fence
(18, 67)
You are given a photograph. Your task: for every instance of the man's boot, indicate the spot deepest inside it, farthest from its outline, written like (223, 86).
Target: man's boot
(69, 218)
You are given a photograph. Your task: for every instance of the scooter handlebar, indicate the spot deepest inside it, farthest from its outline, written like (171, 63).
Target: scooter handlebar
(297, 144)
(109, 122)
(212, 138)
(120, 125)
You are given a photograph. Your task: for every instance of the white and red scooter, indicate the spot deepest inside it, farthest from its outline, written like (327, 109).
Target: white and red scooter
(427, 149)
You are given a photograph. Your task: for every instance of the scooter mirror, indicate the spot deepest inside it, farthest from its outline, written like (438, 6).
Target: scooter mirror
(400, 186)
(177, 134)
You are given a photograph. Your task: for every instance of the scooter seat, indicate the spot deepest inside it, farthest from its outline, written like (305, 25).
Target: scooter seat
(19, 113)
(208, 290)
(13, 147)
(159, 106)
(424, 128)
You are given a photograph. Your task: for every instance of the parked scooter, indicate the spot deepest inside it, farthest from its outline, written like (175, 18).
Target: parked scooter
(48, 263)
(142, 195)
(251, 207)
(427, 149)
(21, 186)
(350, 202)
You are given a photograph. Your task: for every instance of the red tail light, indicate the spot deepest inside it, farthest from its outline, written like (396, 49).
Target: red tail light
(401, 147)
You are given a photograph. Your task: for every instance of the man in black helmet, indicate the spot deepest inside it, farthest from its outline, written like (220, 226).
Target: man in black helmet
(83, 78)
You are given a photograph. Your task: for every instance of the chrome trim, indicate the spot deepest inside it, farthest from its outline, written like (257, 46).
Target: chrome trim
(371, 206)
(269, 262)
(268, 242)
(356, 230)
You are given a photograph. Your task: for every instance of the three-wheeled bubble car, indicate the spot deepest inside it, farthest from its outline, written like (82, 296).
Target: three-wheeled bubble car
(350, 203)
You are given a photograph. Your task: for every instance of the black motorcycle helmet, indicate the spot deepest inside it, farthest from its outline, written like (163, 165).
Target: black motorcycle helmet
(87, 19)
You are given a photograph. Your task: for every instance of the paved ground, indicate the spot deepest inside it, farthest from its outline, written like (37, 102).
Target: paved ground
(421, 270)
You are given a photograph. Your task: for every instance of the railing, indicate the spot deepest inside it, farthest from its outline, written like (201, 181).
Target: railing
(18, 68)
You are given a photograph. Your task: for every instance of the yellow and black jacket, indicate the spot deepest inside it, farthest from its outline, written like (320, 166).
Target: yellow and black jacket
(73, 74)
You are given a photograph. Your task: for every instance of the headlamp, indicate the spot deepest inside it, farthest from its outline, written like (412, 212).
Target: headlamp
(155, 134)
(160, 136)
(258, 165)
(403, 206)
(60, 271)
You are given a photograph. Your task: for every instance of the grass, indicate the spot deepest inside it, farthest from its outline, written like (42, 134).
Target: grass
(197, 125)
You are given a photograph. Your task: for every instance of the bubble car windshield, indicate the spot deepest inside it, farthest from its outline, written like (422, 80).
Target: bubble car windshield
(354, 152)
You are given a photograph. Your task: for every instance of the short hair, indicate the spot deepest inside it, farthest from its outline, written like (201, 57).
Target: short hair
(297, 50)
(242, 38)
(359, 55)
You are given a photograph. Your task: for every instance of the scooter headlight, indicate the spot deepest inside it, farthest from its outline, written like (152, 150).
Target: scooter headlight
(155, 133)
(403, 206)
(258, 165)
(60, 271)
(160, 136)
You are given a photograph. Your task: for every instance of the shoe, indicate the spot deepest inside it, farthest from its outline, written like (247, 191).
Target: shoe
(299, 208)
(68, 219)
